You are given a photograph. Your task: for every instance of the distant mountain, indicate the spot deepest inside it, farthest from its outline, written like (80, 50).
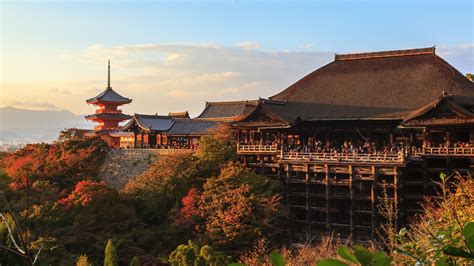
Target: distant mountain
(36, 126)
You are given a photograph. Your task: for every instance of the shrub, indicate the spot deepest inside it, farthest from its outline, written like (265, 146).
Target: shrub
(444, 232)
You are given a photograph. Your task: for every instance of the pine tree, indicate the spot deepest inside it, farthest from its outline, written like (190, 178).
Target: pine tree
(110, 258)
(83, 260)
(135, 261)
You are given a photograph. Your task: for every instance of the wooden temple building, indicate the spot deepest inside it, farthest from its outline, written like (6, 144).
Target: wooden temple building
(108, 116)
(177, 130)
(338, 138)
(362, 124)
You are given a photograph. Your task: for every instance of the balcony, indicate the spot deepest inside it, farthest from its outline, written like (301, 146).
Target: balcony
(257, 149)
(107, 111)
(388, 158)
(460, 152)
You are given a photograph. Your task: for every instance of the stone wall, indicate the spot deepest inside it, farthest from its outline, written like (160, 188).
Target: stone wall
(121, 166)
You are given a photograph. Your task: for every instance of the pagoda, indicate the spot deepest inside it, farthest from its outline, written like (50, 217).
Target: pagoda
(108, 116)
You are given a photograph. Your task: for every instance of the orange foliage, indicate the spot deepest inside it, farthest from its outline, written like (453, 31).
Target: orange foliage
(84, 193)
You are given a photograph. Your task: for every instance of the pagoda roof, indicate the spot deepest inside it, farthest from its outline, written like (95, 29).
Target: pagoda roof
(377, 85)
(109, 96)
(150, 122)
(194, 127)
(227, 110)
(117, 116)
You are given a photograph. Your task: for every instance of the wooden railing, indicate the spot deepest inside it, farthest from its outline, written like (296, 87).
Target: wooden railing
(466, 151)
(260, 149)
(354, 157)
(340, 157)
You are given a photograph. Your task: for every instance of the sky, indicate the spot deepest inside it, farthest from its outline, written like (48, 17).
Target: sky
(176, 55)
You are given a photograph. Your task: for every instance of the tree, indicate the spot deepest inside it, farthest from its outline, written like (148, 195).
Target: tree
(237, 208)
(83, 260)
(191, 254)
(135, 261)
(110, 258)
(217, 149)
(470, 76)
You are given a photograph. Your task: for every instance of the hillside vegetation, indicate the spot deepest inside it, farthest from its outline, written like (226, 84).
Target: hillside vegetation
(201, 209)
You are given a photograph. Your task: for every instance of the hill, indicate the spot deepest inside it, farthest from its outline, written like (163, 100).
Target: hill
(24, 125)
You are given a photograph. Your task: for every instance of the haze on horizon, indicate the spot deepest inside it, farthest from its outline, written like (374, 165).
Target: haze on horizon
(175, 56)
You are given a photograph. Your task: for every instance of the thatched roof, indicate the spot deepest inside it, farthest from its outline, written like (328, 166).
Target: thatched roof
(374, 85)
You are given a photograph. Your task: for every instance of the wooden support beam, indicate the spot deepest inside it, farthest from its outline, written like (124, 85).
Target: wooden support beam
(395, 195)
(372, 202)
(351, 187)
(287, 192)
(308, 205)
(328, 203)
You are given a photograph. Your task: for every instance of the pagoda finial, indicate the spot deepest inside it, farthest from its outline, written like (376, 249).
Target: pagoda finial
(108, 76)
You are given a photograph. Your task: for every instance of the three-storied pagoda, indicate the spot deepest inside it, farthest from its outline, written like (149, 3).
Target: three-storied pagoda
(108, 116)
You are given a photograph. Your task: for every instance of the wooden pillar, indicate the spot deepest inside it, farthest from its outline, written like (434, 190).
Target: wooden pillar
(238, 135)
(425, 138)
(391, 137)
(351, 196)
(395, 196)
(448, 138)
(261, 137)
(135, 139)
(373, 206)
(328, 203)
(142, 143)
(287, 191)
(308, 206)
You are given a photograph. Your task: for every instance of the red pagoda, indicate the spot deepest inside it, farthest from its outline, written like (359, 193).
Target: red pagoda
(108, 116)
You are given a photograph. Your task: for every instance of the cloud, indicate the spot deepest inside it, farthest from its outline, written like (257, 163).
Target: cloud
(172, 77)
(248, 45)
(461, 56)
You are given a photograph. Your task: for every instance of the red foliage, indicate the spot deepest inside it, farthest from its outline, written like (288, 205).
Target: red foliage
(190, 207)
(84, 193)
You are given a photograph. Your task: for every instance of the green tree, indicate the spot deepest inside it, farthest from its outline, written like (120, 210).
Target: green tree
(83, 260)
(135, 261)
(191, 254)
(110, 258)
(470, 77)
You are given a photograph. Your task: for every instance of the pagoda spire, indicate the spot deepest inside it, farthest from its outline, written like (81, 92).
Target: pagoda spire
(108, 75)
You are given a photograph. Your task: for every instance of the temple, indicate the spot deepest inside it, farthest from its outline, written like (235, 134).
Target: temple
(108, 116)
(361, 125)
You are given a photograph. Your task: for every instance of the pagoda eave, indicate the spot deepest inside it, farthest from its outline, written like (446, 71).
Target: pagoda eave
(97, 102)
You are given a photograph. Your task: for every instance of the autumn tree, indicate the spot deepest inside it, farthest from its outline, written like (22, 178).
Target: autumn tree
(236, 208)
(216, 149)
(83, 260)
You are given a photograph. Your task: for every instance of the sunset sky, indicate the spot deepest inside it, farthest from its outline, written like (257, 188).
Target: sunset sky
(175, 56)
